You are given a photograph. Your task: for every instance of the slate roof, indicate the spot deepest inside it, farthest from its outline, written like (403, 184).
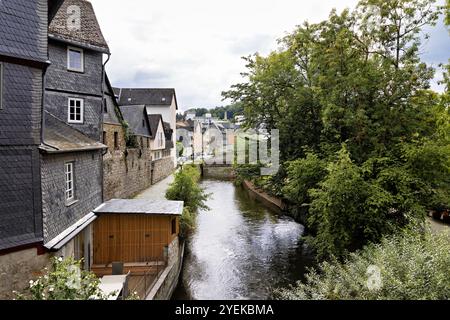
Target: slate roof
(168, 133)
(167, 130)
(112, 114)
(141, 206)
(134, 115)
(148, 96)
(60, 137)
(154, 120)
(23, 28)
(89, 35)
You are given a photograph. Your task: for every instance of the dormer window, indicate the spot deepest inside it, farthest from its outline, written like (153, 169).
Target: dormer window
(75, 59)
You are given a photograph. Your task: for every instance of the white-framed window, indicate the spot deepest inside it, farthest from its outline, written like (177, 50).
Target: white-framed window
(76, 110)
(75, 59)
(157, 155)
(1, 85)
(70, 192)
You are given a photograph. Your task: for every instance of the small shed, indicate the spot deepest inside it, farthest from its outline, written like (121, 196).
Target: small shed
(135, 231)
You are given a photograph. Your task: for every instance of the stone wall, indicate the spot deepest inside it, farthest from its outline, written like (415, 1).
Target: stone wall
(273, 202)
(128, 171)
(218, 172)
(162, 168)
(18, 268)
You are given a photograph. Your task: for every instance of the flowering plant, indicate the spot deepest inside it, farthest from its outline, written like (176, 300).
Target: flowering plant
(65, 281)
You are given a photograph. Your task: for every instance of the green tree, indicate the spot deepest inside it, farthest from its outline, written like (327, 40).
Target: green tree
(355, 79)
(302, 175)
(356, 205)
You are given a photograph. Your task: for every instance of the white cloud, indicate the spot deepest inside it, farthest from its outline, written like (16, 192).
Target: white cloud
(195, 46)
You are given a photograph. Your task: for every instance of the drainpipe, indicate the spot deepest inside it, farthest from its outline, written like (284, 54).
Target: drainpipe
(44, 85)
(44, 72)
(101, 120)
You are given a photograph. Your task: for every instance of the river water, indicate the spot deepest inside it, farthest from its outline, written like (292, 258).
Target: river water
(240, 249)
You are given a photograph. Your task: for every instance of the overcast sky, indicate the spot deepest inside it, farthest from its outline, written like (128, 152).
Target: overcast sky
(195, 46)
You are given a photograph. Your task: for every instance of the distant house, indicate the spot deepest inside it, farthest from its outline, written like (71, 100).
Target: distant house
(156, 101)
(127, 165)
(113, 135)
(153, 137)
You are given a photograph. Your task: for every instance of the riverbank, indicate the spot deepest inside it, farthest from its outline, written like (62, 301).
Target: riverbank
(264, 197)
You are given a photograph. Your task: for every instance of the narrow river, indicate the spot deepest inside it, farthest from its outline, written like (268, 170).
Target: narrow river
(240, 249)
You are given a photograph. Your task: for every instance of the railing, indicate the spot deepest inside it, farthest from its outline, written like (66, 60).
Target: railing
(141, 283)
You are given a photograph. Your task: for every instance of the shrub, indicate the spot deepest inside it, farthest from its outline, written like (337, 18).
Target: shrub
(187, 222)
(185, 188)
(65, 281)
(302, 175)
(410, 266)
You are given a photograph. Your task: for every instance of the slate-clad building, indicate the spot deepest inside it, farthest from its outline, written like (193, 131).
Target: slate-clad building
(51, 101)
(59, 122)
(23, 61)
(71, 150)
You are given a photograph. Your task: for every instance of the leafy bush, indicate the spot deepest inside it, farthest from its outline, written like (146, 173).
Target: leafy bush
(65, 281)
(302, 175)
(180, 149)
(187, 222)
(429, 162)
(185, 188)
(411, 266)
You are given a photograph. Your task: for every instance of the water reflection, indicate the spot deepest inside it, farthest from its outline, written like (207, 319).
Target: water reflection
(240, 249)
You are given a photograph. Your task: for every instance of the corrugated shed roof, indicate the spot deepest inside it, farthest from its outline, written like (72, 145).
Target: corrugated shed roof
(87, 35)
(141, 206)
(60, 137)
